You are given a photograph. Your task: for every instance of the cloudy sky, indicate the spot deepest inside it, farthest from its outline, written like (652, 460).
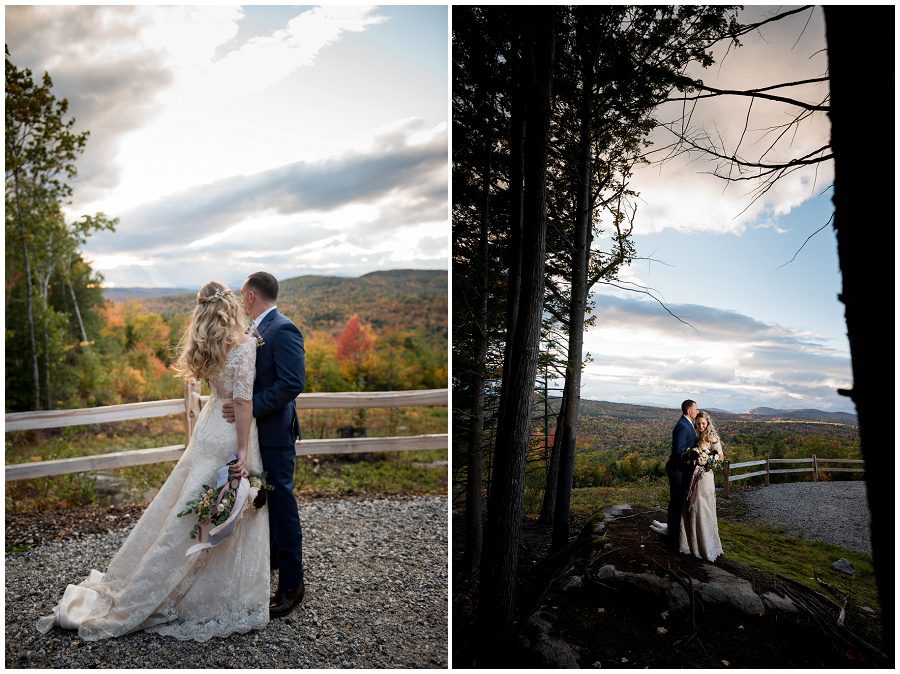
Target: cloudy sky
(296, 139)
(762, 335)
(314, 140)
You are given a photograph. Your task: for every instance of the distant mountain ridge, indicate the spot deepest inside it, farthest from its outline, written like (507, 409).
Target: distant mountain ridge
(635, 411)
(123, 294)
(805, 415)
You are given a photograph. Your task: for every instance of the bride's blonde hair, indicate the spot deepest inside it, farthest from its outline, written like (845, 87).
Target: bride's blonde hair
(708, 436)
(217, 325)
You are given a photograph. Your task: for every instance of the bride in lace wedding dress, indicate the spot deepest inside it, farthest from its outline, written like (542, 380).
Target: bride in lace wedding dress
(151, 584)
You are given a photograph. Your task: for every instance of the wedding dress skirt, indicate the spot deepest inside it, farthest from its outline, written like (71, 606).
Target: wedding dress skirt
(150, 583)
(699, 526)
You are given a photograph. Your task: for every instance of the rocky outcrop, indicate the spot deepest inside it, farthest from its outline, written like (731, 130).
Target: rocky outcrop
(623, 599)
(548, 650)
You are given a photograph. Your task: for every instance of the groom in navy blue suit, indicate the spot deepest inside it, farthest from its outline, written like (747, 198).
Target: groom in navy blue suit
(280, 377)
(684, 437)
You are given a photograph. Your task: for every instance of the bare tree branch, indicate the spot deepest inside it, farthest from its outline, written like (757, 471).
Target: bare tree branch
(643, 290)
(807, 241)
(713, 92)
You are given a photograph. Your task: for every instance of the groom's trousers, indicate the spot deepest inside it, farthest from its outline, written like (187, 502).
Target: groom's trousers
(677, 485)
(285, 533)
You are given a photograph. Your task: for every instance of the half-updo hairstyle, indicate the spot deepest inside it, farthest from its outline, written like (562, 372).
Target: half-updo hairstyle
(217, 325)
(710, 435)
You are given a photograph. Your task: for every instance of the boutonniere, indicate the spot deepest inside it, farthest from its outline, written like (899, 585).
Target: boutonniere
(254, 332)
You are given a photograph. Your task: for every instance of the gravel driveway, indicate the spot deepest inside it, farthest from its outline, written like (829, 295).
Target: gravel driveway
(834, 512)
(376, 596)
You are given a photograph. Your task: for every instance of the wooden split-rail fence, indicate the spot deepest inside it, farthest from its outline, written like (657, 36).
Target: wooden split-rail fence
(817, 465)
(190, 407)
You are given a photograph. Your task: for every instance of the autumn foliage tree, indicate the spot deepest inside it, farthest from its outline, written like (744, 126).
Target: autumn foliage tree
(354, 348)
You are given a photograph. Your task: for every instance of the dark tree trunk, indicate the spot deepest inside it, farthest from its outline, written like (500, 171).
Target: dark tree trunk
(514, 245)
(568, 418)
(29, 299)
(548, 505)
(472, 555)
(864, 224)
(498, 578)
(516, 171)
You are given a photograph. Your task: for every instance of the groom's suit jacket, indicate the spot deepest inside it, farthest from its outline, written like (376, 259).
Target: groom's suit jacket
(683, 438)
(280, 377)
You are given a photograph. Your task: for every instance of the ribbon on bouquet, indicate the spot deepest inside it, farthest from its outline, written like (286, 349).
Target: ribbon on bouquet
(691, 497)
(222, 531)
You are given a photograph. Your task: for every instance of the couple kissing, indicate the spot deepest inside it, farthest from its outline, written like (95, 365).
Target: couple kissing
(160, 580)
(692, 527)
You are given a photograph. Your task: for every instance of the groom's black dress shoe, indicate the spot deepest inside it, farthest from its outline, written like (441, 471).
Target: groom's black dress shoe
(284, 601)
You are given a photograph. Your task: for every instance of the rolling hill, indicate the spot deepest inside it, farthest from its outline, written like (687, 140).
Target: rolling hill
(637, 412)
(403, 299)
(613, 430)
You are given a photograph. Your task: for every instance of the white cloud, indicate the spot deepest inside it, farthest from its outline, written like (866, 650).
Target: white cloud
(163, 111)
(264, 61)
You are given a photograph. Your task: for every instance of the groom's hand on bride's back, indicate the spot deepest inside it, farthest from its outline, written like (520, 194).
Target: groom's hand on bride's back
(228, 412)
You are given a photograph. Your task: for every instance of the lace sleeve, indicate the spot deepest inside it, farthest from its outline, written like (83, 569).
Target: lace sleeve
(244, 370)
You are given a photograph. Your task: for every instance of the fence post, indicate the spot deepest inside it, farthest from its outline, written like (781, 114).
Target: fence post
(815, 468)
(191, 408)
(767, 471)
(726, 478)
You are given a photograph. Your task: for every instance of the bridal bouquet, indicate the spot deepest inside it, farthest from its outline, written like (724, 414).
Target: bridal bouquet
(708, 459)
(221, 505)
(704, 457)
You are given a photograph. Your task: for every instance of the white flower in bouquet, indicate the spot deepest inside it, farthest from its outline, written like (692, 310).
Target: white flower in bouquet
(220, 507)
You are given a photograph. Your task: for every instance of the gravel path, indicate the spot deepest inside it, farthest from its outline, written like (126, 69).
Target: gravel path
(376, 596)
(834, 512)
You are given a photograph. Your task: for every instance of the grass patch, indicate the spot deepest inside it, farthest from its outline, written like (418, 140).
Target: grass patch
(77, 489)
(378, 473)
(649, 492)
(767, 550)
(370, 473)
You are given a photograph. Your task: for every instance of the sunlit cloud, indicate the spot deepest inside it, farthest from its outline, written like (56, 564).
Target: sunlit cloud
(291, 142)
(732, 361)
(681, 194)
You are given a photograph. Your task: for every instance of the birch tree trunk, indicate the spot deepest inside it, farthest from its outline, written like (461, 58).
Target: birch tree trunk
(84, 338)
